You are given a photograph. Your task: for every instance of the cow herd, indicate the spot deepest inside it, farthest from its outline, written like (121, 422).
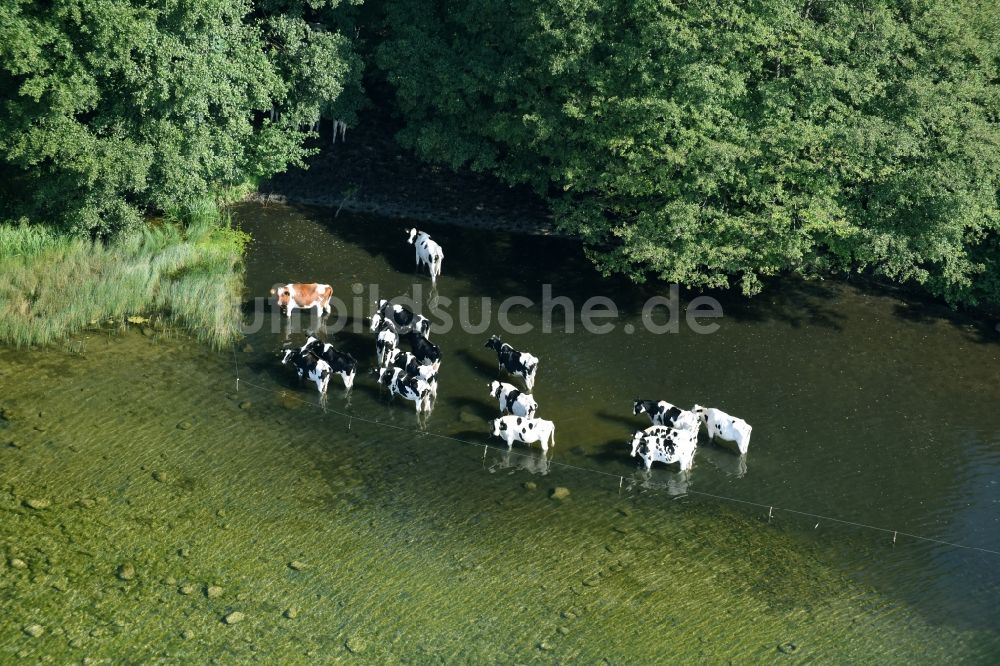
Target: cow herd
(413, 375)
(673, 437)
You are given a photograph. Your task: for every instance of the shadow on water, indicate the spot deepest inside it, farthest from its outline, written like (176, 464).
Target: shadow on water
(917, 312)
(631, 424)
(792, 301)
(483, 366)
(480, 408)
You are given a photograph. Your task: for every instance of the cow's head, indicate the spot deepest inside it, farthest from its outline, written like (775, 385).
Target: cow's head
(702, 413)
(376, 322)
(499, 426)
(282, 295)
(637, 407)
(495, 388)
(288, 355)
(637, 437)
(413, 234)
(348, 376)
(493, 343)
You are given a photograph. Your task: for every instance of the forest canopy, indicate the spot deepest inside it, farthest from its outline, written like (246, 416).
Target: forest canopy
(113, 108)
(713, 143)
(709, 143)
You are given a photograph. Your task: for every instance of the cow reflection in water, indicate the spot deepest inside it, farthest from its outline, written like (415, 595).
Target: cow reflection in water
(724, 461)
(674, 483)
(529, 461)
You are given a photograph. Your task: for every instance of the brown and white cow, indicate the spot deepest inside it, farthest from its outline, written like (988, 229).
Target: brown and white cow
(304, 295)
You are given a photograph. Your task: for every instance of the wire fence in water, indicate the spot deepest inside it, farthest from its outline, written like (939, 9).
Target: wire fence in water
(771, 508)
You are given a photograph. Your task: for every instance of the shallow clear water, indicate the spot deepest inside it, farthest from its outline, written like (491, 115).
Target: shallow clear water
(421, 548)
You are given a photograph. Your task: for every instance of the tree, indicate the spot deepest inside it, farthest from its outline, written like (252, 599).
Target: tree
(112, 108)
(705, 142)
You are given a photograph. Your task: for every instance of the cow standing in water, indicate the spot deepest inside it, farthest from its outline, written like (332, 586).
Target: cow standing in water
(410, 387)
(665, 414)
(303, 296)
(340, 363)
(729, 428)
(386, 341)
(428, 252)
(513, 400)
(518, 429)
(514, 362)
(402, 318)
(308, 364)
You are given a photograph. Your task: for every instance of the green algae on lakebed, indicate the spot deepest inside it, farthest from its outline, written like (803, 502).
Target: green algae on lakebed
(275, 532)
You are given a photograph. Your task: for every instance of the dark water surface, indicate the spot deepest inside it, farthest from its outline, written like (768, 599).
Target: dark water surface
(860, 411)
(418, 548)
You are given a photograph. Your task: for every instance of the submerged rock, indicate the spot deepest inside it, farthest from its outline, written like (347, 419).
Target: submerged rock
(234, 617)
(246, 404)
(37, 504)
(9, 414)
(184, 425)
(126, 571)
(187, 634)
(288, 401)
(160, 476)
(355, 644)
(559, 493)
(213, 591)
(18, 563)
(466, 416)
(298, 566)
(291, 613)
(186, 588)
(788, 648)
(34, 630)
(530, 485)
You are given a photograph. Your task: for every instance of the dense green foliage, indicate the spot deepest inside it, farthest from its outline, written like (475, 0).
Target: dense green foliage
(110, 108)
(708, 143)
(704, 142)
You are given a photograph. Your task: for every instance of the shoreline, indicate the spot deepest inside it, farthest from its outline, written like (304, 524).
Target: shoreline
(370, 174)
(418, 213)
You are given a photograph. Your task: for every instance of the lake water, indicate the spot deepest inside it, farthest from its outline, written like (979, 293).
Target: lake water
(415, 543)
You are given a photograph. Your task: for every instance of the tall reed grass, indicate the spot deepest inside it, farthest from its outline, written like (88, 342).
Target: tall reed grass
(53, 285)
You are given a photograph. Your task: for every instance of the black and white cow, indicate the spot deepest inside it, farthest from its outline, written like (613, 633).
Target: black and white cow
(428, 252)
(339, 362)
(409, 387)
(668, 446)
(726, 427)
(386, 341)
(663, 413)
(411, 365)
(402, 318)
(426, 351)
(519, 429)
(309, 365)
(662, 433)
(514, 362)
(513, 400)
